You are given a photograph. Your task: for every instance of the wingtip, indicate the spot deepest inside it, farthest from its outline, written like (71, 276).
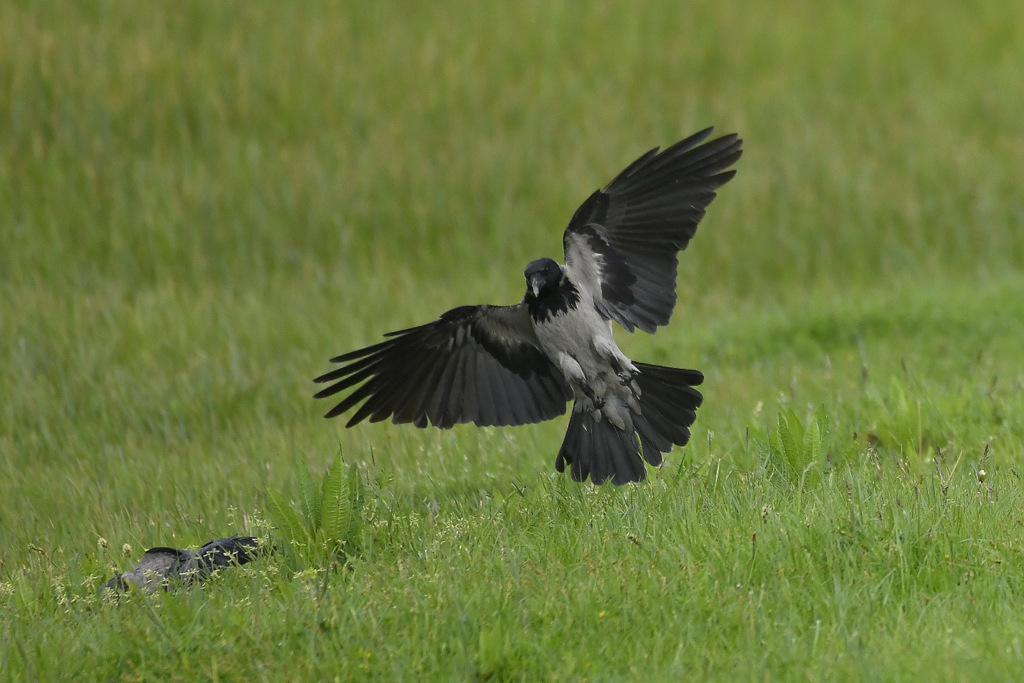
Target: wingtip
(327, 391)
(333, 412)
(723, 143)
(700, 136)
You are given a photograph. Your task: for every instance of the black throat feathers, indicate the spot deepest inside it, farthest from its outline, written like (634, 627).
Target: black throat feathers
(553, 302)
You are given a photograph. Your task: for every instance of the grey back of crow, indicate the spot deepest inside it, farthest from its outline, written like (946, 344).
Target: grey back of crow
(518, 364)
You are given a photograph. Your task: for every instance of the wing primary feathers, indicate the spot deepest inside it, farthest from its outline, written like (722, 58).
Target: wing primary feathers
(478, 364)
(622, 242)
(631, 169)
(474, 364)
(392, 399)
(416, 402)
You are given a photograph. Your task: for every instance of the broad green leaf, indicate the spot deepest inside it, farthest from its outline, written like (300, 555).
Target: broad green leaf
(285, 519)
(812, 442)
(308, 495)
(356, 494)
(790, 449)
(336, 509)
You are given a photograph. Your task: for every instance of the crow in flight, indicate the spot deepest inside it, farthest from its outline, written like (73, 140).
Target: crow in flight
(513, 365)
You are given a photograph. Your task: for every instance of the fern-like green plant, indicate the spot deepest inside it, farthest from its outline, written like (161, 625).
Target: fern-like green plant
(328, 525)
(904, 424)
(797, 448)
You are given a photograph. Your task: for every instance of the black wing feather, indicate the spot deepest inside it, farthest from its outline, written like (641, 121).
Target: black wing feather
(480, 364)
(623, 241)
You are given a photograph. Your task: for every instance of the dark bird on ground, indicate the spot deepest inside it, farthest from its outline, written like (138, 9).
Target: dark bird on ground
(163, 567)
(513, 365)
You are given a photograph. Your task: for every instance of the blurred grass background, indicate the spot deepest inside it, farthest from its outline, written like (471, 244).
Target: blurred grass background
(200, 203)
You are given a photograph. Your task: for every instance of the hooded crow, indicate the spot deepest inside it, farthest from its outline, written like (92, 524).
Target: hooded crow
(513, 365)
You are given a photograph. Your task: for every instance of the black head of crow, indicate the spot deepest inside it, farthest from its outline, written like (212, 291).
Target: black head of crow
(542, 275)
(548, 291)
(512, 365)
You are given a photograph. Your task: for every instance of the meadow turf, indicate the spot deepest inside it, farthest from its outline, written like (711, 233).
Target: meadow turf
(201, 203)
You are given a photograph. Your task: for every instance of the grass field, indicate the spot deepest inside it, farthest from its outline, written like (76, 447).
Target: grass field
(200, 203)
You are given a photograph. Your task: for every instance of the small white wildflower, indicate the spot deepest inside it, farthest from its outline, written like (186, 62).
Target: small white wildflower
(982, 474)
(101, 543)
(61, 593)
(126, 549)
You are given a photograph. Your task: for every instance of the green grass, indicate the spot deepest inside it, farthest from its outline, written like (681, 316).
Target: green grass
(200, 203)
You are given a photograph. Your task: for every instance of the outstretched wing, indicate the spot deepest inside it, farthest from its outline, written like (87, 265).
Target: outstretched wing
(480, 364)
(622, 243)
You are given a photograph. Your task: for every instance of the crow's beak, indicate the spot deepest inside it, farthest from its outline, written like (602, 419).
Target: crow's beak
(534, 284)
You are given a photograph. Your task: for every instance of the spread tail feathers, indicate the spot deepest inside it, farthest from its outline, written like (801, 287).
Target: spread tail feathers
(602, 451)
